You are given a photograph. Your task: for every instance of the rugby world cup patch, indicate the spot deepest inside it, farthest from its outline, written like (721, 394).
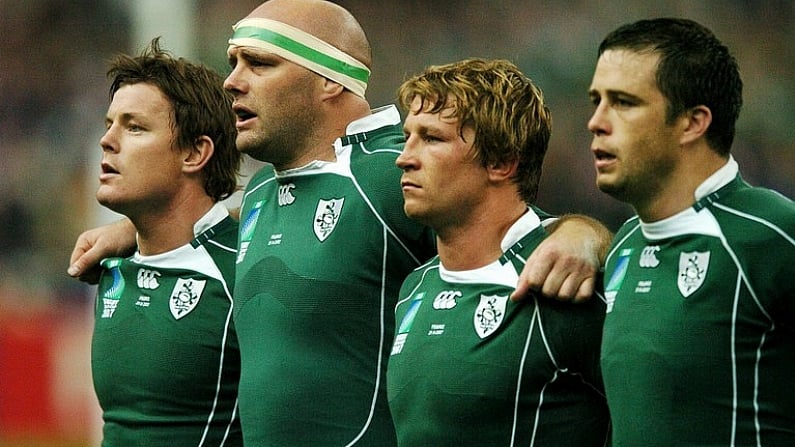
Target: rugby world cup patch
(112, 295)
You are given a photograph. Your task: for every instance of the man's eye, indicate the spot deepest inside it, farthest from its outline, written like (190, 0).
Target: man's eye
(620, 102)
(259, 63)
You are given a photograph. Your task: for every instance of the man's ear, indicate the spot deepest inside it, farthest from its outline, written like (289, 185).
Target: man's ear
(199, 154)
(331, 89)
(696, 122)
(501, 171)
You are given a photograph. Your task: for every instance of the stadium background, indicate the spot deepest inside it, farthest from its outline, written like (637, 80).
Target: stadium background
(53, 96)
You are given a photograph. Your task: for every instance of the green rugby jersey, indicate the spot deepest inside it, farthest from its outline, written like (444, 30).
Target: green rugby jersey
(323, 251)
(471, 367)
(699, 339)
(164, 354)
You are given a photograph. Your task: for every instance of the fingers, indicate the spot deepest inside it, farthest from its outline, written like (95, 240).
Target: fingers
(565, 278)
(522, 290)
(75, 268)
(77, 263)
(116, 239)
(84, 263)
(533, 277)
(576, 287)
(586, 290)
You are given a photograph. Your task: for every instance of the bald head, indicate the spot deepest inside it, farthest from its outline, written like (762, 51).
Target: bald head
(325, 20)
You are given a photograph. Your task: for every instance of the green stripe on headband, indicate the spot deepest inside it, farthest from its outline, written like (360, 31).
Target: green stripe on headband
(299, 49)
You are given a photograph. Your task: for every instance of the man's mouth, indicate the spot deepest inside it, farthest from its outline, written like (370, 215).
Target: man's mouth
(108, 169)
(243, 114)
(601, 155)
(406, 184)
(603, 159)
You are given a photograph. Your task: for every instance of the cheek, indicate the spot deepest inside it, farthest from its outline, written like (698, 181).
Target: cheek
(463, 180)
(636, 140)
(157, 167)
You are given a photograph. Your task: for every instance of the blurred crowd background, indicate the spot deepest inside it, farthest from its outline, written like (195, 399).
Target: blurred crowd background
(53, 96)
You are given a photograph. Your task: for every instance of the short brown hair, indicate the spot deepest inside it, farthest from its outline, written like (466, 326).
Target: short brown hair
(200, 106)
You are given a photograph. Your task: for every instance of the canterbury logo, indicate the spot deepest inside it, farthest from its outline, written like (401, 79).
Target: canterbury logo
(286, 196)
(648, 257)
(446, 299)
(147, 279)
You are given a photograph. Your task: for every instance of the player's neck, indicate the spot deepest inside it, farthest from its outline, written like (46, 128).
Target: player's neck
(170, 227)
(318, 143)
(677, 191)
(476, 242)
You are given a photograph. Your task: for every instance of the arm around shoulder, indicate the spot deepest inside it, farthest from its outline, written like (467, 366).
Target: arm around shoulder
(567, 264)
(92, 246)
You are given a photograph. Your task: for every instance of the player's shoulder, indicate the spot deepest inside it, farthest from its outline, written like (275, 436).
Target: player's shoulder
(225, 233)
(259, 179)
(381, 145)
(757, 197)
(421, 273)
(758, 206)
(220, 244)
(631, 225)
(257, 188)
(372, 165)
(422, 277)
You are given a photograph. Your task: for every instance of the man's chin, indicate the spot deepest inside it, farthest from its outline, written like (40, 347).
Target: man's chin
(245, 145)
(416, 214)
(614, 190)
(109, 202)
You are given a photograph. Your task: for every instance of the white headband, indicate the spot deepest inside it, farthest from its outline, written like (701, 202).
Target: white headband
(303, 49)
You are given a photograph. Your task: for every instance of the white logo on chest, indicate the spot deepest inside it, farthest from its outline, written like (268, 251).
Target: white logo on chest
(692, 271)
(489, 314)
(286, 196)
(446, 299)
(147, 279)
(326, 216)
(185, 296)
(648, 257)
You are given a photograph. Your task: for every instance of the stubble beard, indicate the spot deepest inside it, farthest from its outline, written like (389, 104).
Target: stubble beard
(253, 143)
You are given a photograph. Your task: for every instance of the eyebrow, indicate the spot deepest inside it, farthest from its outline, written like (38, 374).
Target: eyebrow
(420, 130)
(124, 117)
(613, 93)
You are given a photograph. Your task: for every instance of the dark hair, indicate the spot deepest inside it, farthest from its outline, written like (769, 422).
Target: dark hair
(694, 69)
(504, 107)
(200, 106)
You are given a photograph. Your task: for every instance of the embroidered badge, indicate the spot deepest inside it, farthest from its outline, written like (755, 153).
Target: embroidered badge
(489, 314)
(247, 226)
(110, 299)
(326, 217)
(692, 271)
(185, 296)
(617, 278)
(405, 325)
